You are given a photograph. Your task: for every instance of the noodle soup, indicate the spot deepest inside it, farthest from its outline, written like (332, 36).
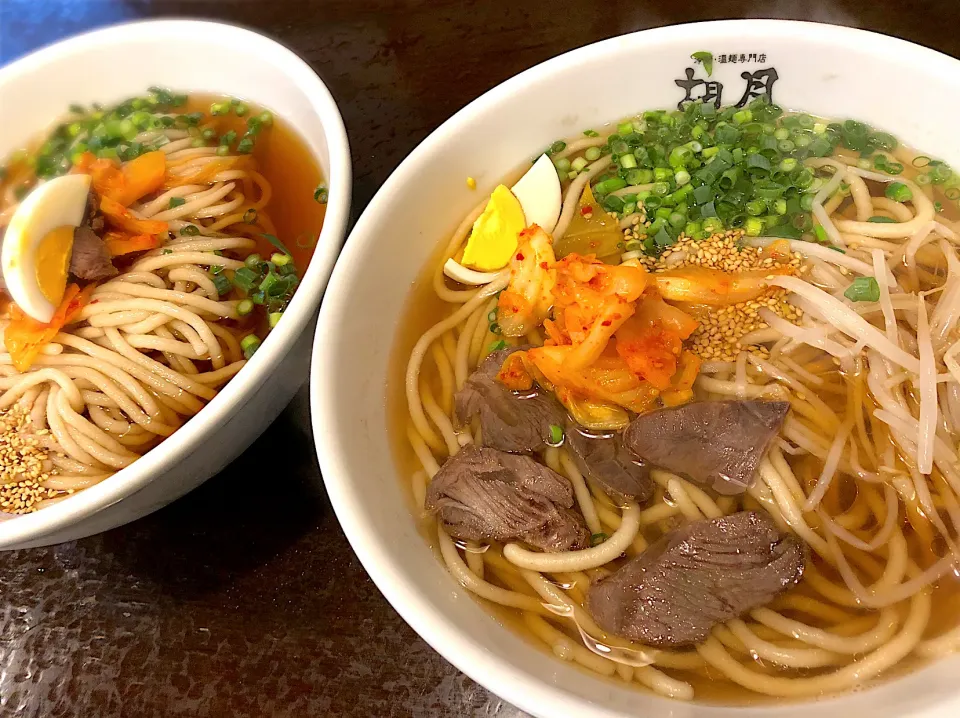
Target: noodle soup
(148, 250)
(694, 427)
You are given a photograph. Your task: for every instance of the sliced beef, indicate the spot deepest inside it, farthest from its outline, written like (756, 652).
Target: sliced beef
(716, 443)
(509, 421)
(482, 494)
(696, 577)
(602, 456)
(92, 216)
(90, 259)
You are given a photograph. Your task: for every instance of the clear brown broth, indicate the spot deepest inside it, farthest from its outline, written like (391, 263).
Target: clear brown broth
(424, 308)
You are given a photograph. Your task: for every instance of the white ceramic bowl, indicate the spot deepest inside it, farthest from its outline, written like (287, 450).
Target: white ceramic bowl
(186, 55)
(830, 71)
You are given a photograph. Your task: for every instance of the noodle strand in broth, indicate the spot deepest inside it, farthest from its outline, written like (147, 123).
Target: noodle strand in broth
(150, 346)
(864, 471)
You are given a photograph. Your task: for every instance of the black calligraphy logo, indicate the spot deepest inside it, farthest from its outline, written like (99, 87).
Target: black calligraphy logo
(711, 90)
(758, 83)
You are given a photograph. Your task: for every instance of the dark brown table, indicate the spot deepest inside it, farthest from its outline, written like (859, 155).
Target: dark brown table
(232, 602)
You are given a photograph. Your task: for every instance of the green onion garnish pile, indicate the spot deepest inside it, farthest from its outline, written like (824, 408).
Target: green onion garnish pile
(111, 132)
(702, 170)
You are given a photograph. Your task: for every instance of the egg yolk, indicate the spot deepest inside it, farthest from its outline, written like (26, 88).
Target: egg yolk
(494, 237)
(53, 263)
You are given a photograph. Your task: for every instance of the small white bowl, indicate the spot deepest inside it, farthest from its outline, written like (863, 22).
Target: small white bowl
(830, 71)
(190, 56)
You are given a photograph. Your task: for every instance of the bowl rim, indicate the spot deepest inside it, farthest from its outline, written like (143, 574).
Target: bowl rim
(303, 306)
(405, 594)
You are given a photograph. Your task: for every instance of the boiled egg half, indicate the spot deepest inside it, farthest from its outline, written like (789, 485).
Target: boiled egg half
(38, 244)
(534, 199)
(539, 194)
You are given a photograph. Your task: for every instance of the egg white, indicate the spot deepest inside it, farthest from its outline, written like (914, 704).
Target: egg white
(540, 195)
(56, 203)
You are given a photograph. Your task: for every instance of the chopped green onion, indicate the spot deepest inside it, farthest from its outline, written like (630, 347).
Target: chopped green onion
(578, 164)
(249, 344)
(898, 192)
(663, 238)
(562, 164)
(758, 161)
(268, 282)
(253, 261)
(592, 153)
(222, 283)
(244, 307)
(177, 202)
(223, 151)
(220, 108)
(321, 194)
(591, 133)
(863, 289)
(241, 108)
(558, 146)
(265, 118)
(190, 230)
(250, 216)
(882, 220)
(273, 318)
(276, 243)
(712, 225)
(281, 260)
(680, 156)
(556, 435)
(245, 278)
(610, 185)
(208, 134)
(497, 346)
(597, 539)
(612, 203)
(821, 234)
(753, 226)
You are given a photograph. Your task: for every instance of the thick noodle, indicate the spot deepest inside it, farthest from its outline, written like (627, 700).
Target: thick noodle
(865, 471)
(151, 348)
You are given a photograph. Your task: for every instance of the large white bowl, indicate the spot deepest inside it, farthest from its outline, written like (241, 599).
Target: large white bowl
(830, 71)
(119, 62)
